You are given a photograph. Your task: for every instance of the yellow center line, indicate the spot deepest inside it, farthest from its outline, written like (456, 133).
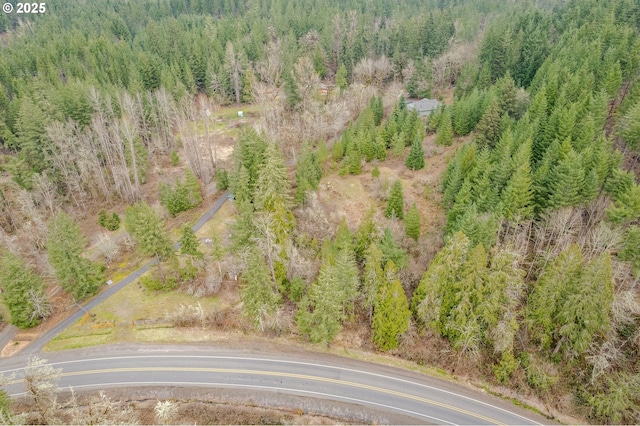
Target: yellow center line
(290, 375)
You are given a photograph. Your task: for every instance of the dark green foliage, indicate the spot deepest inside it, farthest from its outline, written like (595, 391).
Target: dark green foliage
(630, 251)
(626, 208)
(466, 299)
(571, 303)
(391, 316)
(467, 112)
(616, 399)
(506, 95)
(182, 195)
(366, 234)
(517, 197)
(489, 128)
(147, 228)
(260, 299)
(272, 187)
(415, 159)
(341, 77)
(378, 111)
(445, 129)
(189, 243)
(22, 292)
(391, 251)
(222, 180)
(65, 245)
(156, 284)
(308, 173)
(111, 222)
(373, 276)
(329, 299)
(395, 204)
(248, 158)
(412, 223)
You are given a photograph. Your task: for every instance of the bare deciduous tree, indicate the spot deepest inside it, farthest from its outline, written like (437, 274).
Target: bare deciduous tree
(41, 382)
(101, 410)
(235, 64)
(373, 71)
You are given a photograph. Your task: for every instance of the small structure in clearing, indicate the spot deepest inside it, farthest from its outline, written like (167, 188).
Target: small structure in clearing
(423, 106)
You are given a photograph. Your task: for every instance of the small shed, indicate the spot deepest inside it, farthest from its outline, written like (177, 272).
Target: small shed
(423, 106)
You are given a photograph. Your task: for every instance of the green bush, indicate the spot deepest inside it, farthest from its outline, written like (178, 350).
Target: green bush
(111, 222)
(505, 368)
(156, 284)
(182, 195)
(175, 160)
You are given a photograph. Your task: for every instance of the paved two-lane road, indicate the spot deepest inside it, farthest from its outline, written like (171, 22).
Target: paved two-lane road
(325, 377)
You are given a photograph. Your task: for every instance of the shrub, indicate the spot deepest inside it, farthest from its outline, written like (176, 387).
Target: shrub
(111, 222)
(175, 160)
(182, 195)
(156, 284)
(375, 172)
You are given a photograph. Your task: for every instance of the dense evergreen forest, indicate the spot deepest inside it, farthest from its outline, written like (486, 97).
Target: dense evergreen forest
(531, 282)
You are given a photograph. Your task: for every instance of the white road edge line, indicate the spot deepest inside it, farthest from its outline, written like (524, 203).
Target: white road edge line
(301, 363)
(200, 384)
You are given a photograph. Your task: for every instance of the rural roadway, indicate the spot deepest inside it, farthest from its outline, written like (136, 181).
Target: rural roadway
(280, 375)
(327, 378)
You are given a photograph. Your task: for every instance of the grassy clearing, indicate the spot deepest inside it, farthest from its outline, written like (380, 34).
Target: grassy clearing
(114, 320)
(63, 343)
(219, 223)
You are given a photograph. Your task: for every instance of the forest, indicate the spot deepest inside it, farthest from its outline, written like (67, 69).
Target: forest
(498, 237)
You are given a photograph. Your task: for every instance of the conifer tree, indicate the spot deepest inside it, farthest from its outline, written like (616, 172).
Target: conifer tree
(308, 173)
(65, 244)
(395, 204)
(241, 187)
(354, 159)
(341, 77)
(445, 129)
(391, 251)
(260, 299)
(373, 276)
(506, 95)
(189, 243)
(571, 303)
(379, 147)
(365, 235)
(272, 184)
(443, 272)
(412, 222)
(517, 197)
(489, 128)
(192, 188)
(415, 159)
(629, 127)
(391, 316)
(567, 182)
(23, 292)
(147, 228)
(330, 298)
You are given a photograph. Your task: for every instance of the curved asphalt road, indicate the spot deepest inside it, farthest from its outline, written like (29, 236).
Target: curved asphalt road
(37, 345)
(326, 377)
